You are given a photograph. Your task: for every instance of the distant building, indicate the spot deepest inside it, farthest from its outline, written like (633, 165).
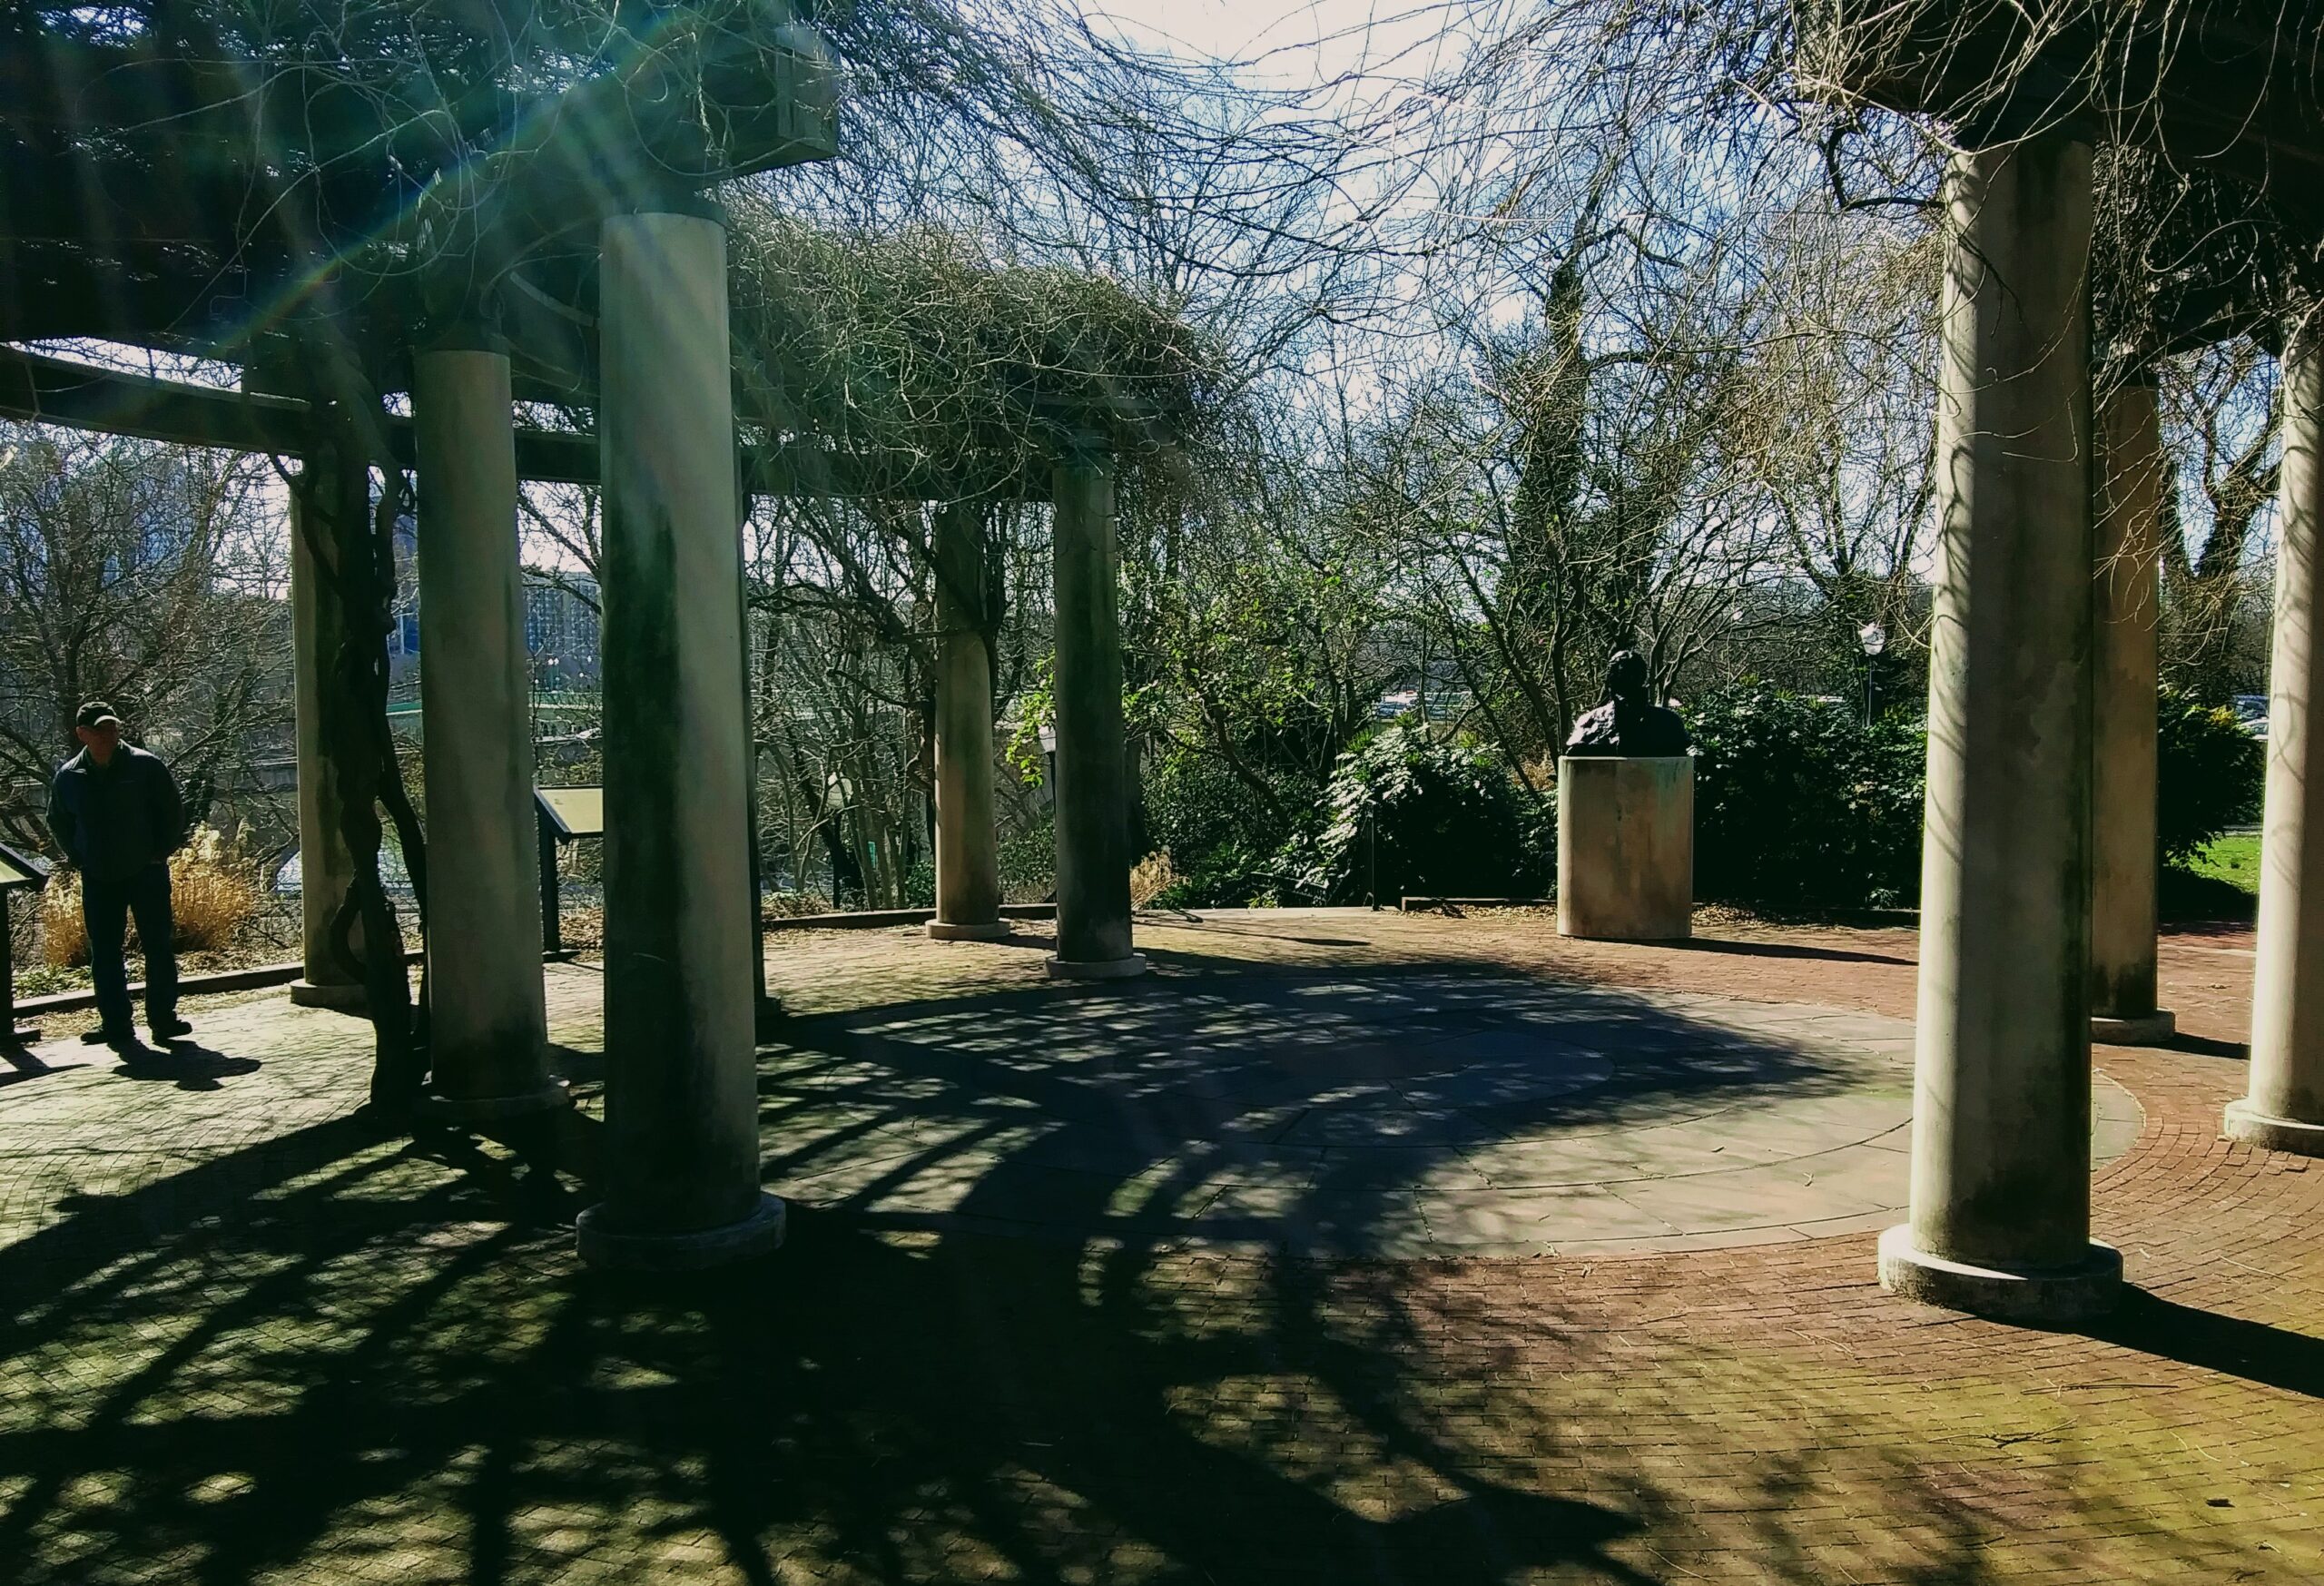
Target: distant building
(560, 625)
(561, 633)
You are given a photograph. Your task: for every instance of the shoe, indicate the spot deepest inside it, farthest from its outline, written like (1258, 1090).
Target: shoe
(170, 1028)
(102, 1037)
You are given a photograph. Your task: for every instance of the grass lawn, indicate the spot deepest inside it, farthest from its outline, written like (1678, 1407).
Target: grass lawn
(2234, 860)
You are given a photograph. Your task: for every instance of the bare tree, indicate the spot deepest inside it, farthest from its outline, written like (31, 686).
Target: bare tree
(148, 574)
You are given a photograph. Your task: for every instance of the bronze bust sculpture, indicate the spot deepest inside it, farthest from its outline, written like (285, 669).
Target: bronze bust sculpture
(1630, 722)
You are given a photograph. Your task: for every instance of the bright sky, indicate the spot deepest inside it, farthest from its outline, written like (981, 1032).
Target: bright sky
(1293, 43)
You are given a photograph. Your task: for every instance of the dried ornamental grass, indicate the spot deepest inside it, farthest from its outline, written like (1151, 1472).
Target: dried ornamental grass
(1149, 878)
(63, 939)
(212, 896)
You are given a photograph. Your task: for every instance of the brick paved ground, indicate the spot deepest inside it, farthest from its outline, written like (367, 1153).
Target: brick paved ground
(243, 1337)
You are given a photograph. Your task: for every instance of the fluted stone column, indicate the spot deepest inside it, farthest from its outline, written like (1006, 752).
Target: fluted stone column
(2000, 1117)
(2284, 1110)
(968, 851)
(1093, 858)
(682, 1152)
(488, 1025)
(2127, 592)
(326, 870)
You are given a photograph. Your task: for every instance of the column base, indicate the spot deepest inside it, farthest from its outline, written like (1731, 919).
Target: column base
(2273, 1134)
(766, 1017)
(601, 1244)
(341, 999)
(1673, 933)
(2053, 1296)
(2142, 1029)
(1113, 969)
(457, 1109)
(948, 930)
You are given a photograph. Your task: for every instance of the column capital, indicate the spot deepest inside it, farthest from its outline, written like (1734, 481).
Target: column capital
(1085, 449)
(2123, 368)
(2304, 331)
(475, 330)
(648, 196)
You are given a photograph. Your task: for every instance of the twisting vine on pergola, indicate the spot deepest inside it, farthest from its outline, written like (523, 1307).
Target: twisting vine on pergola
(312, 190)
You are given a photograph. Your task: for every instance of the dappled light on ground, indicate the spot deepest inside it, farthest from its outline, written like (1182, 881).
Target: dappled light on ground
(246, 1338)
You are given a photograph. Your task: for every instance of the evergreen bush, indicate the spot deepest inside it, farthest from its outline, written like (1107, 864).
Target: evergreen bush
(2209, 773)
(1798, 804)
(1410, 814)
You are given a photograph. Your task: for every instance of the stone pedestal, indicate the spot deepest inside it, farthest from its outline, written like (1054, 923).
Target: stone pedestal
(2001, 1116)
(2128, 593)
(489, 1024)
(1626, 847)
(968, 851)
(2284, 1110)
(1093, 857)
(682, 1147)
(318, 624)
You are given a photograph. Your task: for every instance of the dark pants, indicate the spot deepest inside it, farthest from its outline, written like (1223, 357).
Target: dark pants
(105, 908)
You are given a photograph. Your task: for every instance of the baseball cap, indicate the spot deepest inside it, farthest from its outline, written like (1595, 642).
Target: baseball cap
(96, 712)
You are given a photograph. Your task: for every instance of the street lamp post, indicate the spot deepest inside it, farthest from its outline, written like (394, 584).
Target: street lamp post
(1875, 639)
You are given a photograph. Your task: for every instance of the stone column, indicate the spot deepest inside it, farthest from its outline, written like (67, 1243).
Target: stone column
(2131, 482)
(1093, 858)
(2001, 1115)
(2284, 1110)
(682, 1151)
(968, 851)
(488, 1026)
(317, 623)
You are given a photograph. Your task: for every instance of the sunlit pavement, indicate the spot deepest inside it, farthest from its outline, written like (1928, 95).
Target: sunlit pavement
(1347, 1246)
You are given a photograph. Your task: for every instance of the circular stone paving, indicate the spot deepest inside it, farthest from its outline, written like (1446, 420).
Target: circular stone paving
(1402, 1114)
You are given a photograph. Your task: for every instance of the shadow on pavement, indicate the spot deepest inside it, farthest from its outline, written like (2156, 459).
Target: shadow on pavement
(1744, 947)
(343, 1353)
(2254, 1351)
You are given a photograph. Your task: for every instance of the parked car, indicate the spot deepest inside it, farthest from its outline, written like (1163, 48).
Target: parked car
(2251, 710)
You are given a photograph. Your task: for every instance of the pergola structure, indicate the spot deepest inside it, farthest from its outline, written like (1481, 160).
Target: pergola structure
(509, 219)
(2037, 893)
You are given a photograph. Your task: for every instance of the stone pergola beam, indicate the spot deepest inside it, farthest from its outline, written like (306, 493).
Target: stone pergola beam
(38, 389)
(2219, 85)
(102, 141)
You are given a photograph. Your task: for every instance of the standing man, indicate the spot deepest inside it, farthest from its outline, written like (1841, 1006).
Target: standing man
(116, 811)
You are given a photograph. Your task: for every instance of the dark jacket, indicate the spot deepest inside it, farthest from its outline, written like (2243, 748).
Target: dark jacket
(112, 821)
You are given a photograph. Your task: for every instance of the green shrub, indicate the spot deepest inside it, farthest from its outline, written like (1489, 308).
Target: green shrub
(1799, 805)
(920, 884)
(1224, 839)
(1407, 814)
(2209, 773)
(1028, 863)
